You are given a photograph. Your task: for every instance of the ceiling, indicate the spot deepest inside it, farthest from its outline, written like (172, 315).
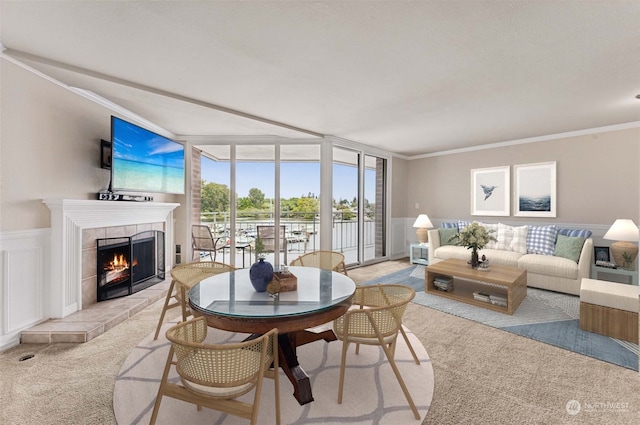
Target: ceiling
(409, 77)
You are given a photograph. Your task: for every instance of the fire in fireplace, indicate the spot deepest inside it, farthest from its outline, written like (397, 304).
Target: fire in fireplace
(127, 265)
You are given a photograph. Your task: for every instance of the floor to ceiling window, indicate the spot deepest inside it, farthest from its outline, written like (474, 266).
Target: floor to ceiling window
(359, 199)
(248, 188)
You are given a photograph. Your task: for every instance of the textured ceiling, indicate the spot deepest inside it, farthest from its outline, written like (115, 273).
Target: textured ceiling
(408, 77)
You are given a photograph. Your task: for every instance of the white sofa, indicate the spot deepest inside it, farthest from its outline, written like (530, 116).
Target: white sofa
(550, 272)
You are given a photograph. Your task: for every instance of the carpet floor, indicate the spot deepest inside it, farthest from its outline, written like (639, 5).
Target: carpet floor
(483, 375)
(544, 316)
(372, 393)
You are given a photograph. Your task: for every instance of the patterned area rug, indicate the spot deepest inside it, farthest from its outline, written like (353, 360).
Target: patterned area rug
(545, 316)
(372, 394)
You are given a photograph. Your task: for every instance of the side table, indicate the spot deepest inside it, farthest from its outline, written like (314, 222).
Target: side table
(419, 253)
(599, 273)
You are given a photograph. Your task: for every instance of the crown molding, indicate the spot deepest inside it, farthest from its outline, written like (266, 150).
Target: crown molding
(596, 130)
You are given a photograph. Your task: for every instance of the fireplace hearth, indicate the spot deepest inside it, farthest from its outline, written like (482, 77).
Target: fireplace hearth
(126, 265)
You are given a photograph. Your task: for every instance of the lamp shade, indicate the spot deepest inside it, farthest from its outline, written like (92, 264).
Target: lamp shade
(422, 223)
(622, 230)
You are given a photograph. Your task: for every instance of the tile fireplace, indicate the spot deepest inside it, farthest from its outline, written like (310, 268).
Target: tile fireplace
(69, 219)
(130, 264)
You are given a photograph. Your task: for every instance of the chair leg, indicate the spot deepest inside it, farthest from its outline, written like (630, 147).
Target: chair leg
(183, 302)
(163, 382)
(343, 361)
(413, 353)
(164, 309)
(396, 371)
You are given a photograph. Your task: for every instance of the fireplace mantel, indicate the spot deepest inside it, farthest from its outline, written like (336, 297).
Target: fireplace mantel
(68, 218)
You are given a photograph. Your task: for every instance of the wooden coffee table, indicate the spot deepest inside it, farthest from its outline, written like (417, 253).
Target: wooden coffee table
(508, 282)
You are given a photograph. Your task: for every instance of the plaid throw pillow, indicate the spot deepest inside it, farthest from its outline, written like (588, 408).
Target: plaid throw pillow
(519, 241)
(449, 226)
(504, 236)
(462, 224)
(542, 239)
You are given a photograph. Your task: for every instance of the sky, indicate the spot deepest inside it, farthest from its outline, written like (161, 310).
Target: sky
(297, 179)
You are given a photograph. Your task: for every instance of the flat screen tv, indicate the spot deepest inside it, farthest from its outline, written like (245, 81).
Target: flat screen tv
(143, 161)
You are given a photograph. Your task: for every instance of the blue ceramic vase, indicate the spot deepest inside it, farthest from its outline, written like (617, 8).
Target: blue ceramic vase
(261, 274)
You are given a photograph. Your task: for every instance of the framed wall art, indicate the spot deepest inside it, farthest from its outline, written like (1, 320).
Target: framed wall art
(535, 194)
(601, 253)
(491, 191)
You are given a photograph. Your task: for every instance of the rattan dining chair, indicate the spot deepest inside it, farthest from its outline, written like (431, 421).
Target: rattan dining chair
(183, 277)
(214, 375)
(327, 260)
(375, 319)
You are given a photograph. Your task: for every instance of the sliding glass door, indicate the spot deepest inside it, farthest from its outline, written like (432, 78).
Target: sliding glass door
(249, 187)
(359, 201)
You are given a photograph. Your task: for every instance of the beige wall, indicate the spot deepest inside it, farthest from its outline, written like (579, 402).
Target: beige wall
(399, 173)
(49, 148)
(597, 178)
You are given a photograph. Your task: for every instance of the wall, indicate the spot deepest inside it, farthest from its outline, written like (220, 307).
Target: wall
(597, 178)
(50, 140)
(49, 148)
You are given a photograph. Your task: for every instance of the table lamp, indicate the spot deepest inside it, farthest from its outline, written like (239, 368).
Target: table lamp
(625, 249)
(422, 223)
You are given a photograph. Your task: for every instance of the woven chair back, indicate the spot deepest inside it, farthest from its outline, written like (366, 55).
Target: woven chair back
(219, 365)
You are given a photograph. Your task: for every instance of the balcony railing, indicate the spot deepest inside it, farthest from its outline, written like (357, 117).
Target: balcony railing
(303, 234)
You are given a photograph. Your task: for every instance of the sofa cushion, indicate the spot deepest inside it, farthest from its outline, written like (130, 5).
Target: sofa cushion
(542, 239)
(495, 256)
(609, 294)
(569, 247)
(549, 265)
(446, 235)
(575, 233)
(500, 257)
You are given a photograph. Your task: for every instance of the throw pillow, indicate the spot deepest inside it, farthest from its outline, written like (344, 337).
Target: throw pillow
(462, 224)
(519, 240)
(575, 233)
(542, 239)
(493, 231)
(446, 235)
(504, 236)
(569, 247)
(449, 226)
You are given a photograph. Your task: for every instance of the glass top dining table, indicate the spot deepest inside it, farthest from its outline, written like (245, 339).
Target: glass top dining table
(228, 301)
(231, 301)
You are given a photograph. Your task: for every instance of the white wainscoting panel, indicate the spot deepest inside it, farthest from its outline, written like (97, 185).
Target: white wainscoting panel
(24, 263)
(398, 246)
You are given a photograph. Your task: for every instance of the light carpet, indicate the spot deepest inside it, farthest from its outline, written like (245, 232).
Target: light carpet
(544, 316)
(372, 393)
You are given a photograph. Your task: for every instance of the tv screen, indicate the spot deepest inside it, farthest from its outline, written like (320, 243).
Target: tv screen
(143, 161)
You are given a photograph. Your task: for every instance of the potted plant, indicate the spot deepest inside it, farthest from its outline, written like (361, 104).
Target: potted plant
(474, 237)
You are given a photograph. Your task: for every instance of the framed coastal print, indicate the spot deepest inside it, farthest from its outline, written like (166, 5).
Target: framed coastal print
(490, 191)
(535, 194)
